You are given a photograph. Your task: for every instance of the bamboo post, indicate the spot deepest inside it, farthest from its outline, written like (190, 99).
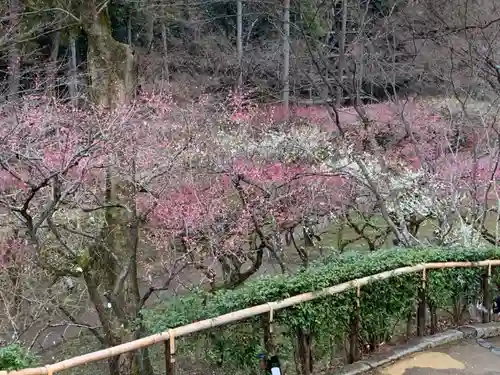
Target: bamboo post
(486, 286)
(268, 330)
(354, 352)
(421, 306)
(170, 363)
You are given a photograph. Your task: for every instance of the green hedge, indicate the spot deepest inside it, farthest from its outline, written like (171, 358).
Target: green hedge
(384, 304)
(15, 357)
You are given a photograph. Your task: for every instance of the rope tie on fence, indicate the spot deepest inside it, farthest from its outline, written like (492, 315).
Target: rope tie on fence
(49, 370)
(271, 316)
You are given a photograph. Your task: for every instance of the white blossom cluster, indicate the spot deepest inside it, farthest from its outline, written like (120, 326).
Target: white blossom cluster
(407, 192)
(464, 235)
(306, 143)
(402, 188)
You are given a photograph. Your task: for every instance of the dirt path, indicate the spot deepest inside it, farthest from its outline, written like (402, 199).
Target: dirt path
(468, 357)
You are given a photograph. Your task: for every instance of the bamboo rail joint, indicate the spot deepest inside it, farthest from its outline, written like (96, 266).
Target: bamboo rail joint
(235, 316)
(424, 278)
(358, 296)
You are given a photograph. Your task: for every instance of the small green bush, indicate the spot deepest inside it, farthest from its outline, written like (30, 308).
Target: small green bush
(383, 303)
(15, 357)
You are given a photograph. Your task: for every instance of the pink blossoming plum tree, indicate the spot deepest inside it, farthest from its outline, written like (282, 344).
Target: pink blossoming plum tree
(73, 183)
(122, 201)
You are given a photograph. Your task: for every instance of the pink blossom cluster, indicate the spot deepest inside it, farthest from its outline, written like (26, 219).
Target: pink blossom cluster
(41, 139)
(12, 251)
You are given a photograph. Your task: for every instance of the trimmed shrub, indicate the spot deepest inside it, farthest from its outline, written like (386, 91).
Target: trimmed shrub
(384, 304)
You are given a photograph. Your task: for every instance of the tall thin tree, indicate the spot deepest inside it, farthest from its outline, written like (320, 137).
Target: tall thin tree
(286, 59)
(239, 40)
(342, 59)
(15, 12)
(72, 69)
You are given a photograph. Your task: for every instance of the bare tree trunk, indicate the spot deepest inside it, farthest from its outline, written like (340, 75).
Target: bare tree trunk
(360, 74)
(304, 352)
(239, 40)
(14, 51)
(166, 73)
(143, 358)
(118, 279)
(341, 63)
(129, 30)
(73, 80)
(111, 64)
(53, 67)
(189, 33)
(286, 59)
(409, 325)
(151, 19)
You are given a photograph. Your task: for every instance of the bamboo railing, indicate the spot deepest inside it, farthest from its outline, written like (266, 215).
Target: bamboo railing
(239, 315)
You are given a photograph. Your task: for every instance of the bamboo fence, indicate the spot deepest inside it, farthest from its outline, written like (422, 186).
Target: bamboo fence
(239, 315)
